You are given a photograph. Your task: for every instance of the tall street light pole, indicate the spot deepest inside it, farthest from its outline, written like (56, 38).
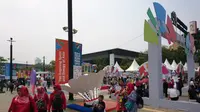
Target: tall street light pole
(70, 45)
(11, 58)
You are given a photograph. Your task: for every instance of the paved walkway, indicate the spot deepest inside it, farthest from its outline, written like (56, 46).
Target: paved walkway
(6, 98)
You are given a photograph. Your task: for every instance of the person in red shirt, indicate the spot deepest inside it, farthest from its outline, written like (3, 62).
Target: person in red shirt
(23, 102)
(129, 87)
(57, 101)
(41, 99)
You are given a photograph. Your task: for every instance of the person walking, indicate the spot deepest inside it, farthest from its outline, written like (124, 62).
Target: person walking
(41, 99)
(11, 86)
(57, 101)
(23, 102)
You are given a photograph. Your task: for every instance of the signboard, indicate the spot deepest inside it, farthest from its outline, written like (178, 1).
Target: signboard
(77, 60)
(7, 71)
(62, 62)
(193, 27)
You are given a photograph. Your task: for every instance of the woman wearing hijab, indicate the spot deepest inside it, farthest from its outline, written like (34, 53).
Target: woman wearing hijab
(129, 88)
(41, 99)
(57, 100)
(23, 102)
(121, 98)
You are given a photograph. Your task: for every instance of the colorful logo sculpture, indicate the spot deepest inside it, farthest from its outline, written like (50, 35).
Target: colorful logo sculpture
(155, 27)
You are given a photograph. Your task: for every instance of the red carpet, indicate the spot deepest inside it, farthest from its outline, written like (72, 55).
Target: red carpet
(105, 87)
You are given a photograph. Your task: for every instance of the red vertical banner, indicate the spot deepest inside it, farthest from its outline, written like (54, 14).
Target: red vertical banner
(62, 62)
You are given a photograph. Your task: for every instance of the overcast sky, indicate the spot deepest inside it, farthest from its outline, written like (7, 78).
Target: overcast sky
(101, 24)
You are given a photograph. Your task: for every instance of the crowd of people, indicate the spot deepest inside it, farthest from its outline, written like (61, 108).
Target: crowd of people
(46, 82)
(40, 102)
(129, 93)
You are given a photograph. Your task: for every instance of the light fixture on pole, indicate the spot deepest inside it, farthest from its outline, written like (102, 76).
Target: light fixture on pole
(11, 58)
(74, 31)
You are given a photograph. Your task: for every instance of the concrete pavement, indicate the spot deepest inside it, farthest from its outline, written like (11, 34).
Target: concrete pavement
(6, 98)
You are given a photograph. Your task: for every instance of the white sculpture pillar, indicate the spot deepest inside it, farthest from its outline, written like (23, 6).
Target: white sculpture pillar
(112, 59)
(190, 65)
(155, 73)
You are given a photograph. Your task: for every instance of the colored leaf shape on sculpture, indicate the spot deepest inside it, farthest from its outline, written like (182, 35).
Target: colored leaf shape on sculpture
(149, 34)
(151, 17)
(171, 35)
(161, 15)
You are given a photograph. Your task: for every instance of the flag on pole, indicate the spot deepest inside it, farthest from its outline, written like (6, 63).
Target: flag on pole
(33, 81)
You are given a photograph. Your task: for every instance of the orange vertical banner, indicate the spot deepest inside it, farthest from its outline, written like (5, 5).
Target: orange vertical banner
(62, 62)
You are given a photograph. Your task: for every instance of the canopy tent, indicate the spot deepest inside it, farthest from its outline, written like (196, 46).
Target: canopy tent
(134, 67)
(185, 67)
(167, 64)
(118, 67)
(143, 69)
(174, 65)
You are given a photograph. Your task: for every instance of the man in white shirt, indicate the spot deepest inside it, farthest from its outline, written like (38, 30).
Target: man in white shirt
(173, 94)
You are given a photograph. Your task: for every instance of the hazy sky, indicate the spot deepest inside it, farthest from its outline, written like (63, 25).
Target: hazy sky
(101, 24)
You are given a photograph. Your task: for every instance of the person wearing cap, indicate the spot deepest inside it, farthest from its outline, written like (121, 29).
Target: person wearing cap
(23, 102)
(57, 101)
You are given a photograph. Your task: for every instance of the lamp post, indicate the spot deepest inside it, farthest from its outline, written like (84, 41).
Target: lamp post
(11, 58)
(70, 45)
(69, 29)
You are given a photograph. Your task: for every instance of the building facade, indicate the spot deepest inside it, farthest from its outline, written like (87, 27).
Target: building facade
(111, 55)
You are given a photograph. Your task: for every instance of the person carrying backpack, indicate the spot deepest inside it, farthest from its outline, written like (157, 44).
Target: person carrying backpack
(41, 99)
(57, 101)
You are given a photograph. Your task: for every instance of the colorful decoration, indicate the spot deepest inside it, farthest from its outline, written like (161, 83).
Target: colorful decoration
(161, 15)
(171, 36)
(189, 44)
(149, 34)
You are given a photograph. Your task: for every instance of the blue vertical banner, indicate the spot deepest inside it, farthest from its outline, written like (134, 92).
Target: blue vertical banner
(77, 60)
(7, 71)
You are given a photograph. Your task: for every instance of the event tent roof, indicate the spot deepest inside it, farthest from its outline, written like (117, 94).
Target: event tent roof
(134, 67)
(174, 65)
(167, 64)
(118, 67)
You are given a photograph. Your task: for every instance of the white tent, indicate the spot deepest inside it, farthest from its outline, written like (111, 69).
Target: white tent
(134, 67)
(167, 64)
(185, 67)
(174, 65)
(118, 67)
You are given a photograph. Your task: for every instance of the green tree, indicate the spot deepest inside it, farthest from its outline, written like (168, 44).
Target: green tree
(125, 63)
(142, 58)
(51, 66)
(38, 66)
(100, 62)
(177, 55)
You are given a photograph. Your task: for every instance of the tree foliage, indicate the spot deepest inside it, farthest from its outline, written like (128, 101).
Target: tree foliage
(101, 63)
(125, 63)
